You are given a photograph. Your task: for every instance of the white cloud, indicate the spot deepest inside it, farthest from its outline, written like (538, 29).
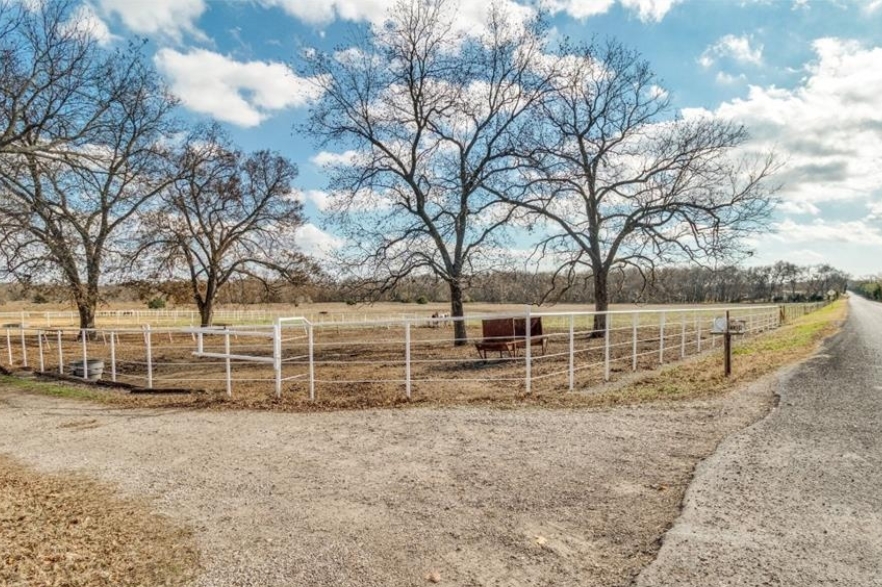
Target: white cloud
(739, 49)
(320, 199)
(872, 6)
(797, 207)
(646, 10)
(315, 242)
(469, 16)
(84, 20)
(726, 79)
(650, 10)
(580, 8)
(243, 93)
(819, 230)
(828, 129)
(170, 18)
(324, 158)
(875, 210)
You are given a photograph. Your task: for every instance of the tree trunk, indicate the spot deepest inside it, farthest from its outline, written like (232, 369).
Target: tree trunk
(206, 311)
(86, 299)
(86, 310)
(601, 302)
(457, 312)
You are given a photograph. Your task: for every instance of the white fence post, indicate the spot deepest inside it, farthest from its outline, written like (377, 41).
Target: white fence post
(85, 354)
(606, 334)
(311, 362)
(60, 354)
(40, 347)
(407, 358)
(661, 339)
(572, 352)
(635, 317)
(227, 363)
(9, 346)
(148, 342)
(527, 354)
(683, 336)
(277, 356)
(113, 356)
(24, 347)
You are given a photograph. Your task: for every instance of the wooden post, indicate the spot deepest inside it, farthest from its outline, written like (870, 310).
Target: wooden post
(727, 348)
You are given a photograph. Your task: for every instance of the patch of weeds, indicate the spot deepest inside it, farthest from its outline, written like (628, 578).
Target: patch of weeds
(53, 389)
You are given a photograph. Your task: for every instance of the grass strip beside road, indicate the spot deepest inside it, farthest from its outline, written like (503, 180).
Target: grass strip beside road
(752, 358)
(71, 531)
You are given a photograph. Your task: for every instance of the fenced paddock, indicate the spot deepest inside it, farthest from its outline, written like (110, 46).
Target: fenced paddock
(379, 361)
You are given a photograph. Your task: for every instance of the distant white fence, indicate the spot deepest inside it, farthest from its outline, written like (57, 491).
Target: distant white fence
(393, 356)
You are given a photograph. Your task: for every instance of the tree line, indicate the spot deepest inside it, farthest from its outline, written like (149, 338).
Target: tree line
(780, 282)
(459, 144)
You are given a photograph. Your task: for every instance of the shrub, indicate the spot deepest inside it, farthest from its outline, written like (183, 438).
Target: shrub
(156, 303)
(40, 299)
(422, 300)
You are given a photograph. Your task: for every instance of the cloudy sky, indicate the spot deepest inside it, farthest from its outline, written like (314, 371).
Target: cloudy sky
(805, 76)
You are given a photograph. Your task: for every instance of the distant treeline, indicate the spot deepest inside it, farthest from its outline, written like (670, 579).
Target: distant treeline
(779, 282)
(869, 288)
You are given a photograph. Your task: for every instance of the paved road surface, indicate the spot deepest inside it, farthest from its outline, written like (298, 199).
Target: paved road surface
(796, 499)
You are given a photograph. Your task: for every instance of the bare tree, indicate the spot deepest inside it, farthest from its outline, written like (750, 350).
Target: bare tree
(82, 150)
(228, 215)
(52, 76)
(432, 118)
(619, 182)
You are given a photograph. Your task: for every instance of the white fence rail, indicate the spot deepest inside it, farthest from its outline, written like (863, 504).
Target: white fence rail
(392, 357)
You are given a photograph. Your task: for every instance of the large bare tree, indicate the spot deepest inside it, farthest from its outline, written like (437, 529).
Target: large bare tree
(619, 181)
(430, 118)
(52, 74)
(84, 130)
(228, 215)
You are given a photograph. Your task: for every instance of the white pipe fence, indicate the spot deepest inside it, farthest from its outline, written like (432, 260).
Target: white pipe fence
(393, 356)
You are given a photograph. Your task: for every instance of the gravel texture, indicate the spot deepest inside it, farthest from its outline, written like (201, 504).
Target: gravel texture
(457, 496)
(795, 499)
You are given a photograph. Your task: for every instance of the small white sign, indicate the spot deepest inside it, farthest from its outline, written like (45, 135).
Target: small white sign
(719, 326)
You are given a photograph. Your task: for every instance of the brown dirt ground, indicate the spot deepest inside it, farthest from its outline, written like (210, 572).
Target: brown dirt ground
(361, 367)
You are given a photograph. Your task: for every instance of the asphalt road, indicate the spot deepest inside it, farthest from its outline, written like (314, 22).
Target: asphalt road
(796, 499)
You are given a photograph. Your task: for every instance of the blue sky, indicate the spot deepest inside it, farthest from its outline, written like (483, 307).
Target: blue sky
(804, 76)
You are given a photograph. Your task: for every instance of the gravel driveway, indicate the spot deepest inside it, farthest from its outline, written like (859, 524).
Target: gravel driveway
(479, 496)
(796, 499)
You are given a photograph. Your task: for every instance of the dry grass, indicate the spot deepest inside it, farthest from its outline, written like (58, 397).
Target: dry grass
(65, 530)
(693, 378)
(751, 360)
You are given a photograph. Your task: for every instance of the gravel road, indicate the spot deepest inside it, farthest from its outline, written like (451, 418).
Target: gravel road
(796, 499)
(480, 496)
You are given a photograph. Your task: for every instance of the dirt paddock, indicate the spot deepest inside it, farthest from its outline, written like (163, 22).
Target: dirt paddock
(470, 496)
(368, 364)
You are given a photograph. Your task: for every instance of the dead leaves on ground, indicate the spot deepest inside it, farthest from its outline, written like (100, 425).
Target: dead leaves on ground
(64, 530)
